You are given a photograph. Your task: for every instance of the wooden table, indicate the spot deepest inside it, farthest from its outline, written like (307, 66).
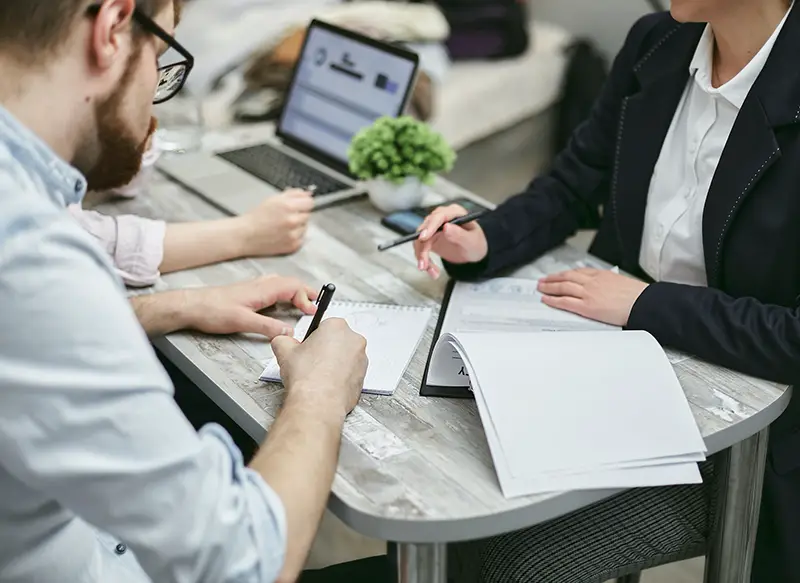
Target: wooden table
(418, 471)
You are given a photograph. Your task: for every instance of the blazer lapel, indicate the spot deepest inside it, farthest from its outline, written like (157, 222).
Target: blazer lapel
(773, 102)
(750, 150)
(645, 118)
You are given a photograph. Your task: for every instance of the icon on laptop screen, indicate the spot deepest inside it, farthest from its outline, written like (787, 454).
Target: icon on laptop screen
(347, 67)
(321, 56)
(384, 83)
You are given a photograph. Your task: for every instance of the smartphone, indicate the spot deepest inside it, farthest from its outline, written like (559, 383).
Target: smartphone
(407, 222)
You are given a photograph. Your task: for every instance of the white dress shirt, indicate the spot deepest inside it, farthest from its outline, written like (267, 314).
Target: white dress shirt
(102, 479)
(672, 240)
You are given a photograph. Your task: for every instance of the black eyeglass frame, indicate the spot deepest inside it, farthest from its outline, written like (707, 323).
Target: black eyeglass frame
(150, 26)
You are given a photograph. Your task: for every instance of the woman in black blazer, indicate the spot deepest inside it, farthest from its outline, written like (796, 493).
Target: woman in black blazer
(689, 167)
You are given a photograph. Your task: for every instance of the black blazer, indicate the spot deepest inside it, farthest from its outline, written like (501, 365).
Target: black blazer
(747, 318)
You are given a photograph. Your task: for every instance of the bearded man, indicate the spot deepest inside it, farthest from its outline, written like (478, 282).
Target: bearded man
(102, 479)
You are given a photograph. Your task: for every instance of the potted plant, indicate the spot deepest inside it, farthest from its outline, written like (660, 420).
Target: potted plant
(396, 157)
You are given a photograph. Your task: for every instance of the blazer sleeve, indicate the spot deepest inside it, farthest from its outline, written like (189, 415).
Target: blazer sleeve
(743, 334)
(569, 196)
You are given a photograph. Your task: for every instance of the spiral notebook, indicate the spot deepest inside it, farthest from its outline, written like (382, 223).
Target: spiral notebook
(392, 332)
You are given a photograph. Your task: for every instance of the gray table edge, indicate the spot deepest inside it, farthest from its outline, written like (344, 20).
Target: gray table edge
(247, 414)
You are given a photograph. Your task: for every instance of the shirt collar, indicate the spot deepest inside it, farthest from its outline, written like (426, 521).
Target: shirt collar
(734, 91)
(64, 183)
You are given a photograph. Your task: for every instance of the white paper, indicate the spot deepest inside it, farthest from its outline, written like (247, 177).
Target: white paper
(579, 409)
(392, 333)
(642, 477)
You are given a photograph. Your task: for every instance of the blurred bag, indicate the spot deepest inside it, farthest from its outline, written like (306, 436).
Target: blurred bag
(486, 29)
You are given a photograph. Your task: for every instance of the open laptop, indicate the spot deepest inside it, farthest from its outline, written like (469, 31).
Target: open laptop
(342, 82)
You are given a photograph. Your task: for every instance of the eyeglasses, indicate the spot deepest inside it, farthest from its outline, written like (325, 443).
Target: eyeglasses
(172, 77)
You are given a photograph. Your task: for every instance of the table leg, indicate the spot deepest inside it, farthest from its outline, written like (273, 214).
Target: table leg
(732, 544)
(422, 563)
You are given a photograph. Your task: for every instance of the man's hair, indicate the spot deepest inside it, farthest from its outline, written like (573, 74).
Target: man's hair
(32, 29)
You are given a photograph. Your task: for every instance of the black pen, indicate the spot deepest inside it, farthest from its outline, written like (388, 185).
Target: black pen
(414, 236)
(323, 301)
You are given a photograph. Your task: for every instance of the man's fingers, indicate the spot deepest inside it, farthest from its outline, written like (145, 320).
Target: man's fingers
(255, 323)
(282, 346)
(562, 288)
(302, 301)
(272, 290)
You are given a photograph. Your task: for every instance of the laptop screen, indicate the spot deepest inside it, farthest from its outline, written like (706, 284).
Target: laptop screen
(340, 86)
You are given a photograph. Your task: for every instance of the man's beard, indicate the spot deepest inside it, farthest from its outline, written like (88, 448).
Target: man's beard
(120, 152)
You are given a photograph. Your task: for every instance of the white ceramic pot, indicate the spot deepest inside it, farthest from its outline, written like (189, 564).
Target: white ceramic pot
(390, 197)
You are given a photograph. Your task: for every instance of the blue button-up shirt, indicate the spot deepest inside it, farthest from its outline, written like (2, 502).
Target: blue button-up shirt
(102, 479)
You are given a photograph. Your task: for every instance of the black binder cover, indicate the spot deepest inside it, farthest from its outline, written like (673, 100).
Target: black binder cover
(427, 390)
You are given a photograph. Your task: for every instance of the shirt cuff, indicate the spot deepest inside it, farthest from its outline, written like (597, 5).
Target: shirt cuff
(139, 250)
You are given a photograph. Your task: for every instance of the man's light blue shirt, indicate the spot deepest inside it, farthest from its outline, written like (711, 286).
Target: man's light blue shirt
(102, 479)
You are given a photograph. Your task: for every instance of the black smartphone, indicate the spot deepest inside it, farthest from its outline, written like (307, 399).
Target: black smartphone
(407, 222)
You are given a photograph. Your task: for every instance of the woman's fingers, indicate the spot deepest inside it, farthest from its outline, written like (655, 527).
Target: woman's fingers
(562, 288)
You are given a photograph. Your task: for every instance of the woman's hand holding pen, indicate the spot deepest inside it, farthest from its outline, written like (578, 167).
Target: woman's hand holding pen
(456, 244)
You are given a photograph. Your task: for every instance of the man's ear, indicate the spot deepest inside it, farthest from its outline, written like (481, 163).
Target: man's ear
(111, 33)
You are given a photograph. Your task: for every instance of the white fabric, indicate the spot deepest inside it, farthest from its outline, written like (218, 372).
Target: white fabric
(478, 99)
(672, 240)
(223, 34)
(390, 20)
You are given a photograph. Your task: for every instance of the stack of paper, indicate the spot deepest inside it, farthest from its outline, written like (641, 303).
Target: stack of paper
(574, 409)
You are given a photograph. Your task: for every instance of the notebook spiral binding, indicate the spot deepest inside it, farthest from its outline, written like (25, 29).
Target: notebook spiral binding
(377, 306)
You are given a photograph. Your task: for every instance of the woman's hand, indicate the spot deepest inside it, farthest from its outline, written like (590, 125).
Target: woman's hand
(598, 294)
(278, 225)
(456, 244)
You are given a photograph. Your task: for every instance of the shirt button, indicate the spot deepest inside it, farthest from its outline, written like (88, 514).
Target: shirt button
(120, 549)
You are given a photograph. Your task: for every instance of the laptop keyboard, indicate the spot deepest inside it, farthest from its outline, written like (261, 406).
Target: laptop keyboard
(281, 170)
